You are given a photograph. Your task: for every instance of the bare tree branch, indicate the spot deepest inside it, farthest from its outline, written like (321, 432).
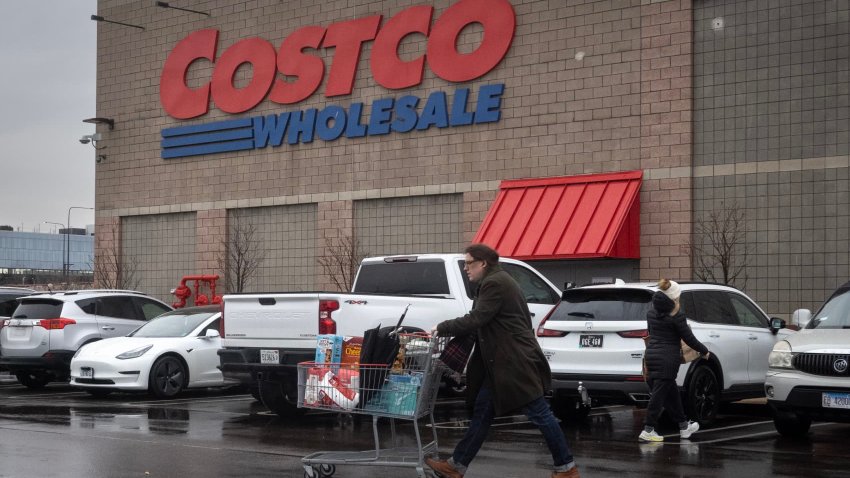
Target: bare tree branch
(341, 261)
(719, 249)
(243, 255)
(114, 271)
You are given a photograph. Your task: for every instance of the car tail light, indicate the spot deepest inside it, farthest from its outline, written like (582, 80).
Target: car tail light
(56, 324)
(327, 325)
(634, 334)
(635, 378)
(542, 331)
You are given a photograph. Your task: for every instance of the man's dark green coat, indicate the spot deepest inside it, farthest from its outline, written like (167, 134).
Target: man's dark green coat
(506, 349)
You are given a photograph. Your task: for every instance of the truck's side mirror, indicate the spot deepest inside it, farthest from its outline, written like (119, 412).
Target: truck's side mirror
(776, 324)
(801, 317)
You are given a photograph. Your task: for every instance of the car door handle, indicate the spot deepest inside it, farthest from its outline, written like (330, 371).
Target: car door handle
(714, 335)
(106, 327)
(753, 337)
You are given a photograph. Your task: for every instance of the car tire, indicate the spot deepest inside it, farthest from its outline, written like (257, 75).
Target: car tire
(569, 409)
(167, 377)
(702, 396)
(34, 380)
(274, 395)
(98, 392)
(791, 425)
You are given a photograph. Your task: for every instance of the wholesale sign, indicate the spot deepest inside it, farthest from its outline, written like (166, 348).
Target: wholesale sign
(306, 73)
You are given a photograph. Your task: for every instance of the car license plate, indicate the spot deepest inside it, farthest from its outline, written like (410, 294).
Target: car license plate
(269, 356)
(590, 341)
(86, 372)
(835, 400)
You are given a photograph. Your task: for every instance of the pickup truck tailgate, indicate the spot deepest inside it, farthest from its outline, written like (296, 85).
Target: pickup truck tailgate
(282, 321)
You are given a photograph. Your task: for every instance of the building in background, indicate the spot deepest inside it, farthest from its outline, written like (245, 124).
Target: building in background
(590, 138)
(28, 258)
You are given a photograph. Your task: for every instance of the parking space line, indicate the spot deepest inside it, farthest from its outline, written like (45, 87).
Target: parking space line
(749, 435)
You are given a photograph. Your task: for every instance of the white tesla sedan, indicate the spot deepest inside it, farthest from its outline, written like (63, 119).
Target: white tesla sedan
(173, 352)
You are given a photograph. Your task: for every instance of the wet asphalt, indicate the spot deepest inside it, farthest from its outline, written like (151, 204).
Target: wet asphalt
(62, 432)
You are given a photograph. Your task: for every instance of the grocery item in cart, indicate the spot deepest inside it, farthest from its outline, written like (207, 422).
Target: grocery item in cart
(324, 389)
(328, 348)
(351, 347)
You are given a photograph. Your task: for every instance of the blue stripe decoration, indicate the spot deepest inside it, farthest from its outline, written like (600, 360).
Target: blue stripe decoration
(208, 138)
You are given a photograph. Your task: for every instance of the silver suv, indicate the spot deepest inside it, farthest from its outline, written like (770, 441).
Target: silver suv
(46, 329)
(809, 376)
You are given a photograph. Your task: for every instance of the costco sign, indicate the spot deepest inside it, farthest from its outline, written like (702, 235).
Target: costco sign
(305, 73)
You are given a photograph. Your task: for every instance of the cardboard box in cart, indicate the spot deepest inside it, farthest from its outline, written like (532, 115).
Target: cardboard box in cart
(328, 349)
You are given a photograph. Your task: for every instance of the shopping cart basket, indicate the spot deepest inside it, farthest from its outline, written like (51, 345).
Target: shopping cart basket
(405, 390)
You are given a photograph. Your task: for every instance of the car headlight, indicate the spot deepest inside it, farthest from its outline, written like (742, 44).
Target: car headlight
(781, 356)
(137, 352)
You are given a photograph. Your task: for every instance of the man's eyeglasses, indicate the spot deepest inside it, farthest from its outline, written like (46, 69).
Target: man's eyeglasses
(469, 263)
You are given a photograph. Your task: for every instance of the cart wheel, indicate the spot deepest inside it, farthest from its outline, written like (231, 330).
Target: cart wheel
(326, 471)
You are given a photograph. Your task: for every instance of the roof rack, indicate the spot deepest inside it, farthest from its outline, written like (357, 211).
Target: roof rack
(84, 291)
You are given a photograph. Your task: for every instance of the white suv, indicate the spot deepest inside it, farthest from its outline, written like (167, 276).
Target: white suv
(808, 376)
(46, 329)
(594, 337)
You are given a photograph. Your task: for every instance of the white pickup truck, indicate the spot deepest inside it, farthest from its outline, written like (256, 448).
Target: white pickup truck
(265, 335)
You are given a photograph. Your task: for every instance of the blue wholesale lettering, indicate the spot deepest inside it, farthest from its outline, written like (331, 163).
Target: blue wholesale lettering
(385, 116)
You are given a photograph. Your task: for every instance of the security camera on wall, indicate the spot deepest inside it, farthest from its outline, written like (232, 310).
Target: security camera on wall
(85, 139)
(90, 138)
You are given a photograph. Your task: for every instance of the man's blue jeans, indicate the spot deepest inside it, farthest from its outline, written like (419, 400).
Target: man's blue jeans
(538, 412)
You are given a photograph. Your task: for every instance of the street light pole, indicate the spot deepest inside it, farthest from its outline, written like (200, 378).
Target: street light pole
(68, 238)
(64, 266)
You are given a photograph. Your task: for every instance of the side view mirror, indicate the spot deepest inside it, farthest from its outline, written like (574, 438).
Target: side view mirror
(801, 317)
(211, 333)
(776, 324)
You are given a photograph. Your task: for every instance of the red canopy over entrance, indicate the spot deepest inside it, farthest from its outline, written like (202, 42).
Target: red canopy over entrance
(571, 217)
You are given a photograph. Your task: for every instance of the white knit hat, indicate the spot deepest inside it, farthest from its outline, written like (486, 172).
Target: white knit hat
(674, 291)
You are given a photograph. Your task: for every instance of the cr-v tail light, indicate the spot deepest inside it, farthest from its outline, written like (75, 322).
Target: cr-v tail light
(221, 321)
(634, 334)
(542, 331)
(56, 324)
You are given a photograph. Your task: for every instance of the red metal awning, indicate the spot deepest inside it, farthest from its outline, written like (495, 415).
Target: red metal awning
(571, 217)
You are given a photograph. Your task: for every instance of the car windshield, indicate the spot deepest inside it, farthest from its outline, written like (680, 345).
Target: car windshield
(835, 314)
(174, 324)
(603, 304)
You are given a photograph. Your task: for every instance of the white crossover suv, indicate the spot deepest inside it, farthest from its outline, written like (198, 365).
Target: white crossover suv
(594, 339)
(809, 372)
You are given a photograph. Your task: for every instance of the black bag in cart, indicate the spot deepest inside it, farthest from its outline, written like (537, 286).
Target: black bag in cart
(380, 347)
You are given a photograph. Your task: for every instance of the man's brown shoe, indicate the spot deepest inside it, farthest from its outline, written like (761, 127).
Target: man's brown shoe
(444, 469)
(571, 473)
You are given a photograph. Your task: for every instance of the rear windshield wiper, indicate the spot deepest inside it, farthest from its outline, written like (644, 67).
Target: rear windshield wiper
(586, 315)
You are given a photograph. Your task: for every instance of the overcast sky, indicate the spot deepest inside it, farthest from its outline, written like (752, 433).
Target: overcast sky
(47, 87)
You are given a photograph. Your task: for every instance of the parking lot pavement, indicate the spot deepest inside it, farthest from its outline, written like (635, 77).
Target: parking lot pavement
(220, 433)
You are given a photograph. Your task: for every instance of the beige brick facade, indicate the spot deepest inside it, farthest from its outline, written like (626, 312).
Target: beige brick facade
(596, 86)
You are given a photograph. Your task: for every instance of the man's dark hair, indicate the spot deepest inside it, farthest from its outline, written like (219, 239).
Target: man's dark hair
(483, 252)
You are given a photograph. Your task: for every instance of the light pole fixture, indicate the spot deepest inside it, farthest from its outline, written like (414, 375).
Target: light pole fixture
(167, 5)
(68, 238)
(98, 18)
(64, 264)
(99, 120)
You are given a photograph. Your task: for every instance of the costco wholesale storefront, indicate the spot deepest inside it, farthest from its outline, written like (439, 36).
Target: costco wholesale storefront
(592, 138)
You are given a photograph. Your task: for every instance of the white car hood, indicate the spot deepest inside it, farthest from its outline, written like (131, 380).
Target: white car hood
(118, 345)
(820, 341)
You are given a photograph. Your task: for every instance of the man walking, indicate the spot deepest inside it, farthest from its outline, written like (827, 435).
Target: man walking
(507, 370)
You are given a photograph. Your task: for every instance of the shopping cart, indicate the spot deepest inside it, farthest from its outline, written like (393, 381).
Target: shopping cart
(405, 390)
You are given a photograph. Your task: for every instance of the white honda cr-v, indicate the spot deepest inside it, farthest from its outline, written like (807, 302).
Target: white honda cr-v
(594, 337)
